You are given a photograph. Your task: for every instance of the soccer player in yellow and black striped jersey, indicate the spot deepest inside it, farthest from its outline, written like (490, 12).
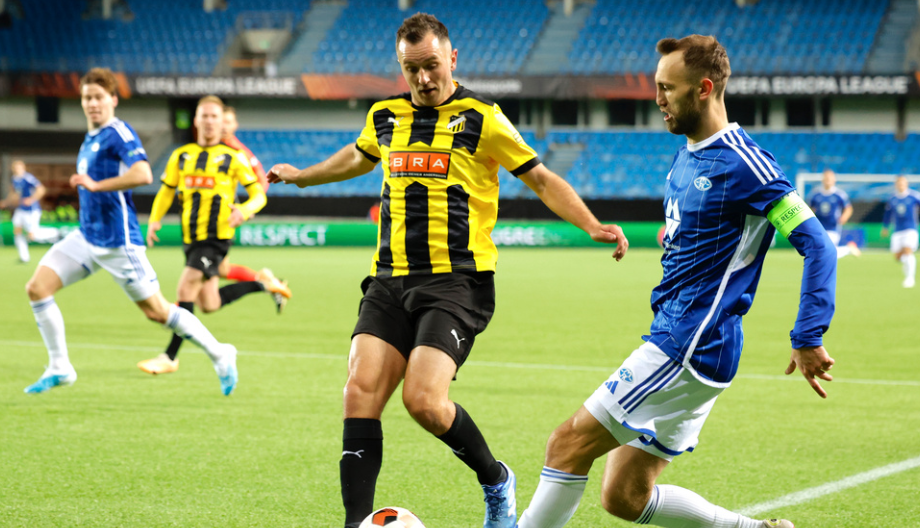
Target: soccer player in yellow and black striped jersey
(430, 290)
(206, 173)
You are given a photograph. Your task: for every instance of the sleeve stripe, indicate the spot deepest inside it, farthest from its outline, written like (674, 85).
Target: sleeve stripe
(527, 166)
(123, 131)
(368, 155)
(253, 183)
(168, 185)
(743, 157)
(762, 162)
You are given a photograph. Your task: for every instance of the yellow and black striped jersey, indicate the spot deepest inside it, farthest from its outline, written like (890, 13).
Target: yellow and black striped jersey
(207, 179)
(439, 200)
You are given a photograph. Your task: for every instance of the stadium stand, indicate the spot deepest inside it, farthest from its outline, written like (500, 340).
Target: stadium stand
(779, 36)
(493, 36)
(163, 37)
(177, 37)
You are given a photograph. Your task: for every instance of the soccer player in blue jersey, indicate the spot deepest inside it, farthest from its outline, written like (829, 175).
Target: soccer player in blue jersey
(110, 163)
(24, 197)
(832, 208)
(902, 210)
(724, 198)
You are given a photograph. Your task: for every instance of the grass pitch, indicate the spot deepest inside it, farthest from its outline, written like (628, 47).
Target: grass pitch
(122, 448)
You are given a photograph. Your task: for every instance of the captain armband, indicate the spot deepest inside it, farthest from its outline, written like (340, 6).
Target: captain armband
(788, 213)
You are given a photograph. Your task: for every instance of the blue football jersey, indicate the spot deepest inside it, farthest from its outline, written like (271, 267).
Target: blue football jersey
(25, 187)
(829, 206)
(902, 209)
(109, 219)
(718, 194)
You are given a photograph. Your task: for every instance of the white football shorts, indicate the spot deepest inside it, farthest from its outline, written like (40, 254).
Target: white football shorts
(905, 238)
(74, 259)
(834, 236)
(27, 220)
(653, 403)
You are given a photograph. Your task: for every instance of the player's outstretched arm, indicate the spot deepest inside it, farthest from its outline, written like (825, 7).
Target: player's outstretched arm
(347, 163)
(12, 198)
(139, 174)
(794, 220)
(562, 199)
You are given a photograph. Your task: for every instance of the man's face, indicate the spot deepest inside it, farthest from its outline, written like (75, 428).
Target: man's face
(900, 184)
(427, 67)
(828, 179)
(230, 125)
(18, 168)
(98, 104)
(209, 120)
(677, 95)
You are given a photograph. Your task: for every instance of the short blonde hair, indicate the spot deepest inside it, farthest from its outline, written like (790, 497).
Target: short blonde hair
(211, 99)
(103, 77)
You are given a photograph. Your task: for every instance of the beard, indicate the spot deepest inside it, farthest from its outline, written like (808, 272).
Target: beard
(688, 122)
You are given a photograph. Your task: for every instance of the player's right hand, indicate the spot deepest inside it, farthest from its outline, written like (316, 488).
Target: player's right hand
(612, 234)
(282, 173)
(152, 228)
(812, 362)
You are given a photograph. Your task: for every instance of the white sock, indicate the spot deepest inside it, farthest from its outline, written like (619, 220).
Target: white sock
(51, 326)
(555, 500)
(676, 507)
(187, 326)
(909, 265)
(842, 251)
(22, 245)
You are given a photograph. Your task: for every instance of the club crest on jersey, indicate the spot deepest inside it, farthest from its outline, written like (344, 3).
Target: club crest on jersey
(199, 182)
(902, 209)
(626, 375)
(456, 123)
(419, 164)
(95, 147)
(702, 183)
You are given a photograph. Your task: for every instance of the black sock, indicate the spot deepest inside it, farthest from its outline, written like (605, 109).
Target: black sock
(172, 350)
(362, 455)
(467, 442)
(232, 292)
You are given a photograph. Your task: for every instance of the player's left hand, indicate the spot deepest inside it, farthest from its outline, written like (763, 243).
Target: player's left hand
(28, 201)
(812, 362)
(236, 216)
(85, 181)
(612, 234)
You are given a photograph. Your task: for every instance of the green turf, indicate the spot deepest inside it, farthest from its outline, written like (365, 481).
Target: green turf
(121, 448)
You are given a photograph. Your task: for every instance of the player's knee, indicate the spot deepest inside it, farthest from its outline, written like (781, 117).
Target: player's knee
(559, 440)
(622, 501)
(425, 408)
(36, 290)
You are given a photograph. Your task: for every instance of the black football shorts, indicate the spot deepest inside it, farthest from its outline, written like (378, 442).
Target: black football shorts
(441, 310)
(206, 255)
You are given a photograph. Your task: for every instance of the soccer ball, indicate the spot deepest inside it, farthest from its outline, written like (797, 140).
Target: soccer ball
(392, 517)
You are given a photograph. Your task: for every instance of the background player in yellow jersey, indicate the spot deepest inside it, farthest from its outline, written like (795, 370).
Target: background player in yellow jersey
(237, 272)
(430, 291)
(206, 173)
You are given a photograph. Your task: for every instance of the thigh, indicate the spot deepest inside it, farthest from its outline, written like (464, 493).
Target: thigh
(429, 372)
(191, 282)
(375, 369)
(382, 315)
(70, 259)
(129, 267)
(209, 294)
(20, 218)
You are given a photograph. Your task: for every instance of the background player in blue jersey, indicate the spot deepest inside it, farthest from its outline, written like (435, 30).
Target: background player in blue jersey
(24, 197)
(723, 193)
(111, 162)
(833, 209)
(901, 210)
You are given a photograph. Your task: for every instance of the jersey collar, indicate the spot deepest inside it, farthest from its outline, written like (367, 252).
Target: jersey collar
(712, 139)
(106, 124)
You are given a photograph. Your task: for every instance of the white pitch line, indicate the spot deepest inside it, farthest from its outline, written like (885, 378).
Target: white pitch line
(831, 487)
(488, 364)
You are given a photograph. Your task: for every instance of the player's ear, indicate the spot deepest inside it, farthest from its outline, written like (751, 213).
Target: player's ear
(705, 87)
(453, 59)
(114, 101)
